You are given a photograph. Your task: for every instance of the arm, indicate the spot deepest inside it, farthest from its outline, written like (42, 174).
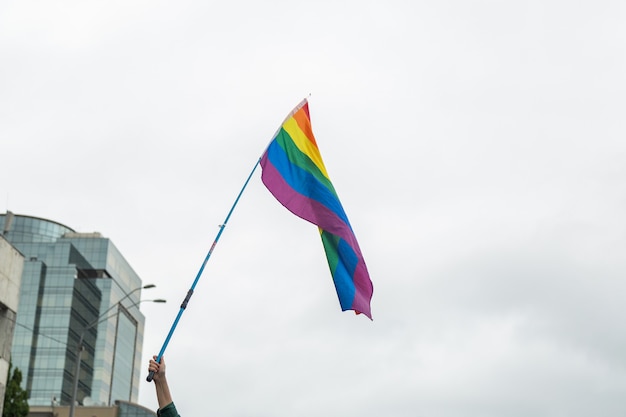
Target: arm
(160, 382)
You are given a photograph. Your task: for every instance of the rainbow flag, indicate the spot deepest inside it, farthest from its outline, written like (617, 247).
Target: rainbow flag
(293, 171)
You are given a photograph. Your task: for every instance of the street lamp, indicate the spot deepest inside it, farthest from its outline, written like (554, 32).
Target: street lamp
(98, 320)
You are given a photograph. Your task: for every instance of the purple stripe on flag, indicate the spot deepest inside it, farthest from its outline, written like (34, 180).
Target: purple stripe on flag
(306, 208)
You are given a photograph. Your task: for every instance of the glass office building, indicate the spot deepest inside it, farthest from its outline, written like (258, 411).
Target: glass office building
(75, 285)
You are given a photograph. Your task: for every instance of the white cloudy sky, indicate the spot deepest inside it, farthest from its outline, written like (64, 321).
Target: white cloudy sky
(478, 148)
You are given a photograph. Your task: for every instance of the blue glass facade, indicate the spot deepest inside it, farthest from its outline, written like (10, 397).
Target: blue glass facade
(74, 285)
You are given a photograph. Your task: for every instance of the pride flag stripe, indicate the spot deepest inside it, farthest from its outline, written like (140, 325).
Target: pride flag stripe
(342, 262)
(304, 179)
(303, 142)
(303, 161)
(311, 209)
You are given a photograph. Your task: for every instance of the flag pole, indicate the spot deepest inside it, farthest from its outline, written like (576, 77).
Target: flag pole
(183, 306)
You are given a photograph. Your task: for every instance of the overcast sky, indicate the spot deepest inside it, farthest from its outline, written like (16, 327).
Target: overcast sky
(478, 148)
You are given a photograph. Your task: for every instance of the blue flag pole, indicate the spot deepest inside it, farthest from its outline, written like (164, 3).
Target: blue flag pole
(183, 306)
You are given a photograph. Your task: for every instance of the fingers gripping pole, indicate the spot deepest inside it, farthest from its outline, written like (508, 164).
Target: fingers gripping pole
(183, 305)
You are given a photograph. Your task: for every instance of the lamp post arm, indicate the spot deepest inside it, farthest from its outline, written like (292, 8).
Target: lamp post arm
(99, 319)
(136, 303)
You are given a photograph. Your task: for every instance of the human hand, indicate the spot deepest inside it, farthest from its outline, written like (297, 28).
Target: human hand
(157, 368)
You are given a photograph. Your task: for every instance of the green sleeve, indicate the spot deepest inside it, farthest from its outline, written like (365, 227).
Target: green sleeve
(168, 411)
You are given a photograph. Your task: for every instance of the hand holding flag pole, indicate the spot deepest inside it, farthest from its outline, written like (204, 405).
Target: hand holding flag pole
(183, 305)
(293, 171)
